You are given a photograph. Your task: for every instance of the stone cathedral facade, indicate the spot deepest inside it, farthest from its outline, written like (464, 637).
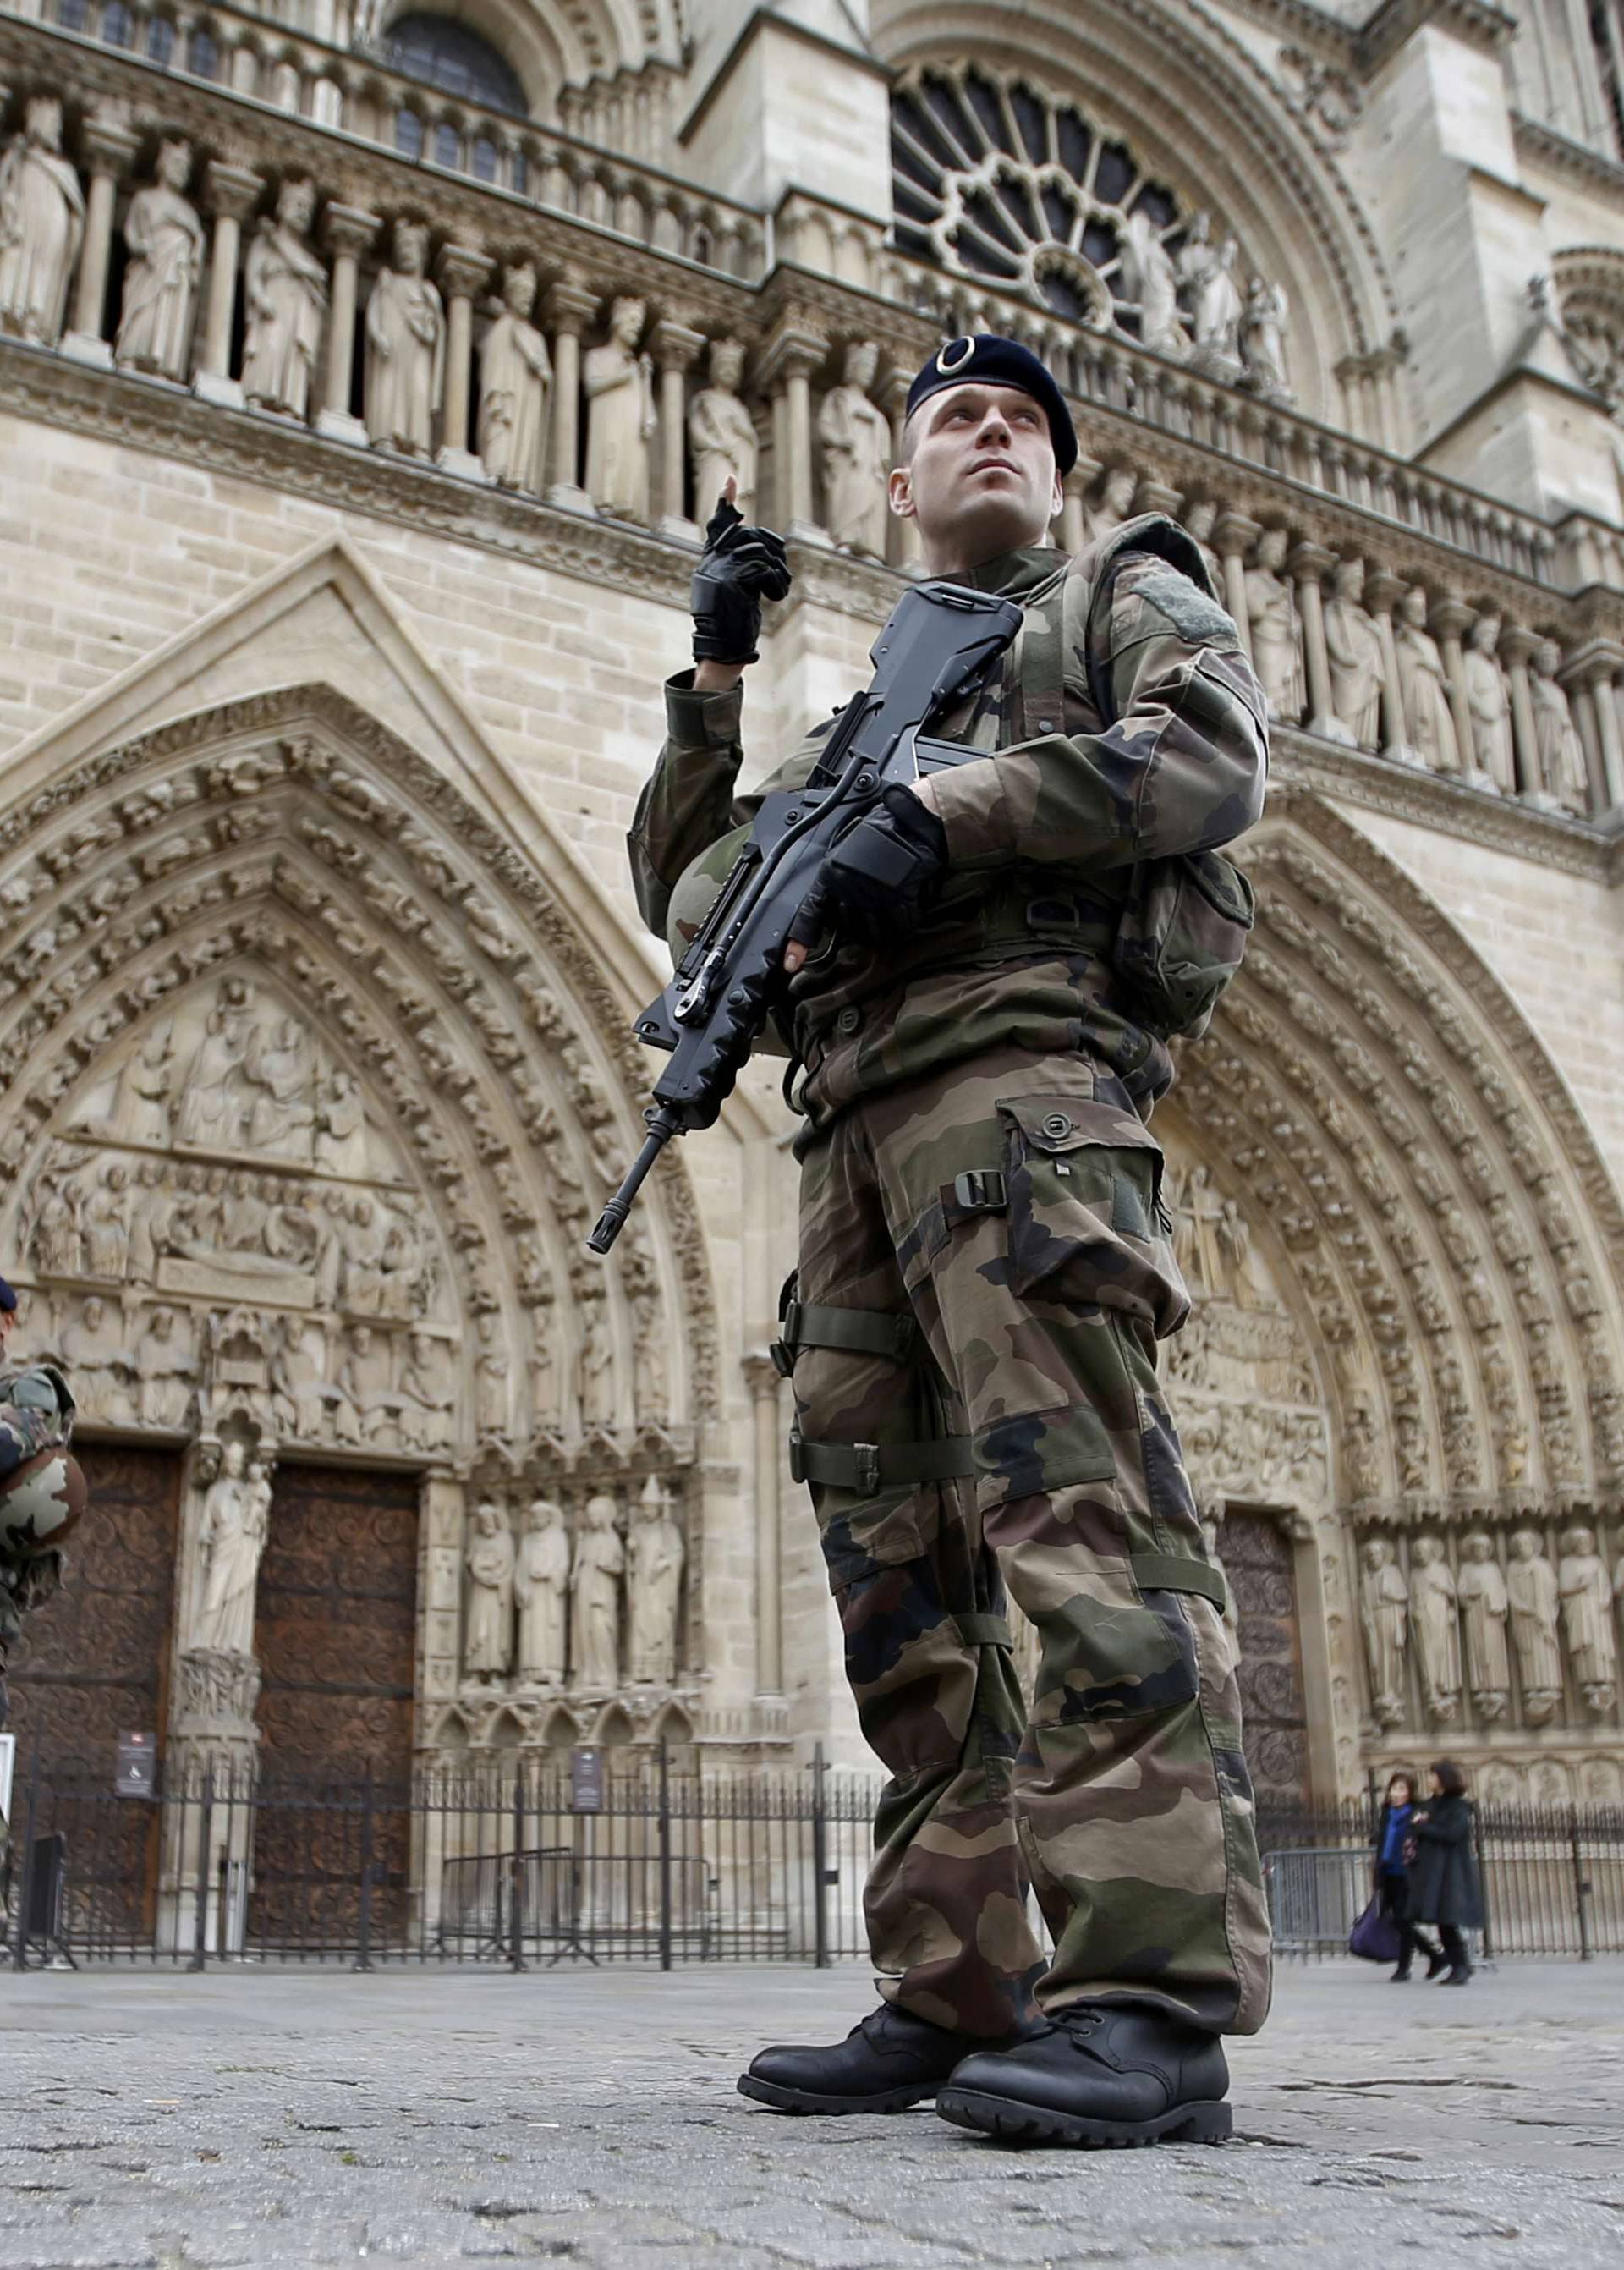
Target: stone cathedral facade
(365, 375)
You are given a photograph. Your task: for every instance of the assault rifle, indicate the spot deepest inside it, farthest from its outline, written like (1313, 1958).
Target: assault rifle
(939, 642)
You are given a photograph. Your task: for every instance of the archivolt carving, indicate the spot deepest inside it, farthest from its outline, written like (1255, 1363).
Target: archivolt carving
(233, 874)
(1447, 1221)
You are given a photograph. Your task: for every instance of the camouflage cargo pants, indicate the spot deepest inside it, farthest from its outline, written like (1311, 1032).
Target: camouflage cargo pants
(984, 1274)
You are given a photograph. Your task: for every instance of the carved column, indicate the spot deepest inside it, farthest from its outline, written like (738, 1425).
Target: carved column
(763, 1376)
(109, 147)
(1598, 673)
(460, 272)
(1517, 645)
(1382, 592)
(1448, 618)
(903, 548)
(1309, 564)
(570, 308)
(346, 232)
(786, 369)
(674, 347)
(231, 193)
(1074, 487)
(1235, 535)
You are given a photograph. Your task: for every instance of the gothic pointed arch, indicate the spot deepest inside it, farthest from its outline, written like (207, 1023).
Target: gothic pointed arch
(272, 955)
(1201, 119)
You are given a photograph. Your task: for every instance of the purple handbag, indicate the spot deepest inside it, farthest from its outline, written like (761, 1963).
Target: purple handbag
(1375, 1936)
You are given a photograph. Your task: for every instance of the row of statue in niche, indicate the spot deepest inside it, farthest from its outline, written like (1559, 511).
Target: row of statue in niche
(593, 1604)
(1463, 1627)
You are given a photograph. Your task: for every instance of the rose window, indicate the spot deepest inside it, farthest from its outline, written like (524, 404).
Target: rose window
(996, 179)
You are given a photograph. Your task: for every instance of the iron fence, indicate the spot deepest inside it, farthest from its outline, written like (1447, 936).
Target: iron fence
(663, 1862)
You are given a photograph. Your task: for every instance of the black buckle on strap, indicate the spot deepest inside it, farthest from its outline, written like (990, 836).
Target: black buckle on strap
(782, 1349)
(980, 1190)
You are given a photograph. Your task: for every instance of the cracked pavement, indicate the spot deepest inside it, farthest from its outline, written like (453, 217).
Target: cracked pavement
(589, 2118)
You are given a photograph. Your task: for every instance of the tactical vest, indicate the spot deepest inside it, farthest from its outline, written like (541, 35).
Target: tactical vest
(1184, 919)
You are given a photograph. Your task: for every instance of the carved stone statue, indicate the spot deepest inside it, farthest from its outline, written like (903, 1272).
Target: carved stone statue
(1488, 700)
(1586, 1592)
(285, 290)
(98, 1361)
(425, 1394)
(106, 1222)
(1436, 1626)
(596, 1365)
(1354, 648)
(596, 1569)
(1116, 503)
(1262, 338)
(515, 385)
(654, 1578)
(1563, 772)
(1385, 1612)
(1200, 518)
(1428, 722)
(1196, 1214)
(1484, 1607)
(855, 438)
(366, 1404)
(299, 1386)
(492, 1403)
(488, 1648)
(165, 239)
(1206, 272)
(341, 1126)
(209, 1109)
(542, 1583)
(1152, 280)
(235, 1511)
(141, 1103)
(41, 226)
(1271, 609)
(618, 385)
(57, 1244)
(406, 348)
(1530, 1587)
(277, 1075)
(722, 436)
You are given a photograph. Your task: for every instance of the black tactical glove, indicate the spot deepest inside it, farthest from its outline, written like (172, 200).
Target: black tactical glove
(739, 567)
(880, 878)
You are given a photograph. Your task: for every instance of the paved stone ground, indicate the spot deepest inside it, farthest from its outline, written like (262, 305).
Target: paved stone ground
(589, 2118)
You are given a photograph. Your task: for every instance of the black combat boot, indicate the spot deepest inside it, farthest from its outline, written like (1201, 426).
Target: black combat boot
(889, 2062)
(1096, 2075)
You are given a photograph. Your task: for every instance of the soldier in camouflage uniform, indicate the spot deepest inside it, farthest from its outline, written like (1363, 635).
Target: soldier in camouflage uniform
(985, 1269)
(36, 1414)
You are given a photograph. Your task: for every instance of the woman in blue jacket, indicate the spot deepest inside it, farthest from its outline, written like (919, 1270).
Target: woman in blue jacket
(1392, 1842)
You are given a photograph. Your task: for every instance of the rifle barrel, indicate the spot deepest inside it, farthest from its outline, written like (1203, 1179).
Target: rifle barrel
(662, 1126)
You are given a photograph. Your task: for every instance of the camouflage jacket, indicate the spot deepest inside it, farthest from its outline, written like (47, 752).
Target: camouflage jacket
(1043, 832)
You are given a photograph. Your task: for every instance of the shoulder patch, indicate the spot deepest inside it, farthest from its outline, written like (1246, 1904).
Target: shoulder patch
(1192, 613)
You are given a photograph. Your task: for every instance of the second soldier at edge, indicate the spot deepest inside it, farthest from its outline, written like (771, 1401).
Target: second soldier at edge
(985, 1272)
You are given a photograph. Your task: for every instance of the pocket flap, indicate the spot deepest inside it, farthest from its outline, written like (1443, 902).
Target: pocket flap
(1059, 1123)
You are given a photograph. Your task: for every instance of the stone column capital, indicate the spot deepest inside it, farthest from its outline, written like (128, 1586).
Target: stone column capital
(347, 229)
(460, 271)
(109, 144)
(1310, 563)
(231, 191)
(570, 305)
(789, 354)
(1156, 496)
(1448, 617)
(1596, 662)
(1384, 590)
(1233, 532)
(761, 1374)
(1517, 644)
(675, 345)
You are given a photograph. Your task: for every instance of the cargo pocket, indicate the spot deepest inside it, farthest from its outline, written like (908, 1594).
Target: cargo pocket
(1087, 1223)
(911, 1677)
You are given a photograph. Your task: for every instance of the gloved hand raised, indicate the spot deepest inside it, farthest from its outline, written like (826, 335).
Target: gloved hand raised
(739, 567)
(879, 879)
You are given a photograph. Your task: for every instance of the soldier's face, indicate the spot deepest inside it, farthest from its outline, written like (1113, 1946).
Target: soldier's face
(982, 478)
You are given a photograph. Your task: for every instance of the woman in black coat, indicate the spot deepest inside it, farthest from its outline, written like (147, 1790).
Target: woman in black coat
(1443, 1875)
(1392, 1844)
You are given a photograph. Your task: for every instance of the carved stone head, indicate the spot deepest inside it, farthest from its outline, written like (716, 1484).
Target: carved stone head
(42, 122)
(1579, 1541)
(1425, 1551)
(233, 1454)
(1348, 580)
(296, 210)
(1486, 634)
(1120, 484)
(626, 321)
(411, 248)
(1377, 1552)
(1547, 659)
(174, 162)
(1271, 548)
(1477, 1547)
(519, 289)
(860, 363)
(1525, 1544)
(1199, 518)
(1412, 607)
(726, 364)
(544, 1514)
(488, 1517)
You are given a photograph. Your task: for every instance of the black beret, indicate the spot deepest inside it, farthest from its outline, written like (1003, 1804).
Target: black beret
(7, 1299)
(987, 359)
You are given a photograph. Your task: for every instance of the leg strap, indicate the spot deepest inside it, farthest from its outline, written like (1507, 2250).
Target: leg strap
(871, 1466)
(855, 1331)
(1169, 1572)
